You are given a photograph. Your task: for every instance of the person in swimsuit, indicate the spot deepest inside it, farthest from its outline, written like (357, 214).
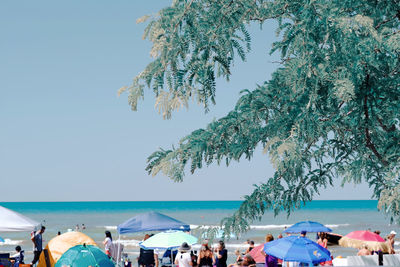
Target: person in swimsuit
(206, 257)
(322, 241)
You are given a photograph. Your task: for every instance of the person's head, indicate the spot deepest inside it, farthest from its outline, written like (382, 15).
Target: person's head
(393, 234)
(251, 243)
(42, 229)
(269, 238)
(237, 252)
(108, 234)
(184, 247)
(364, 246)
(322, 235)
(377, 232)
(18, 249)
(204, 246)
(58, 233)
(221, 245)
(146, 236)
(248, 260)
(303, 233)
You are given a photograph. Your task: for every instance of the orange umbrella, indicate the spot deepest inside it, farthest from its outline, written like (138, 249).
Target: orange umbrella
(61, 243)
(356, 239)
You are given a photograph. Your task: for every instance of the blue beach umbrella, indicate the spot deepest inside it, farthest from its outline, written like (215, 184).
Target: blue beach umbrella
(298, 249)
(308, 226)
(168, 240)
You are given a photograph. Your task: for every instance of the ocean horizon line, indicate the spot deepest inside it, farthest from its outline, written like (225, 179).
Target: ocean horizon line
(144, 201)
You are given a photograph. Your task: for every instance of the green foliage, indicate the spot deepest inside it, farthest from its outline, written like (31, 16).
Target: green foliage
(331, 110)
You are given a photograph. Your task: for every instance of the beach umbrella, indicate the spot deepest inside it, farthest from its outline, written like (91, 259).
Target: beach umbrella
(11, 221)
(168, 240)
(151, 221)
(308, 226)
(61, 243)
(256, 254)
(83, 256)
(356, 239)
(2, 240)
(297, 249)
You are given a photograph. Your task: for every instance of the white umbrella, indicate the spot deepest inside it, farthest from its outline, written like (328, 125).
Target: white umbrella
(11, 221)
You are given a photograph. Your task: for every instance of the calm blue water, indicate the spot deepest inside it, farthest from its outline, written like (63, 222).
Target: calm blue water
(342, 216)
(118, 206)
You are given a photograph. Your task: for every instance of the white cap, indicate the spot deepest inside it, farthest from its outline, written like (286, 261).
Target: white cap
(393, 233)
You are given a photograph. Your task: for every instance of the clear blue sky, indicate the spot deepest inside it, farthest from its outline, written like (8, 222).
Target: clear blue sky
(66, 136)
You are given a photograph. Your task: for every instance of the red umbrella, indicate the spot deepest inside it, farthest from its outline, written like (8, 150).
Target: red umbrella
(357, 238)
(257, 255)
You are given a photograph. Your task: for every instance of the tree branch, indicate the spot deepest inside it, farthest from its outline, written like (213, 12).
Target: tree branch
(369, 143)
(384, 127)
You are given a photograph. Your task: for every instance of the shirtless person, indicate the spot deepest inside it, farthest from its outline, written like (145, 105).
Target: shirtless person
(364, 251)
(390, 241)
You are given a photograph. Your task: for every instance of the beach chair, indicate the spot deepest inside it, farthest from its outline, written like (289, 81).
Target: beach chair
(5, 259)
(391, 260)
(371, 260)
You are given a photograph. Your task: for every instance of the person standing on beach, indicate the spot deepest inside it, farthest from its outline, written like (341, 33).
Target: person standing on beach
(270, 261)
(251, 246)
(37, 244)
(183, 258)
(221, 255)
(390, 242)
(147, 257)
(108, 243)
(205, 258)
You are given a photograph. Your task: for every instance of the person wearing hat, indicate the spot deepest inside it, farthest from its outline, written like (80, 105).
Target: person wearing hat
(303, 233)
(390, 241)
(183, 258)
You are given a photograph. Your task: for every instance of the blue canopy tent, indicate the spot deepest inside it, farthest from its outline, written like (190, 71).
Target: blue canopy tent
(151, 221)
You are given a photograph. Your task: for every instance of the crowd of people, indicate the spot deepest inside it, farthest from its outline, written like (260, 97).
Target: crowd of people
(206, 256)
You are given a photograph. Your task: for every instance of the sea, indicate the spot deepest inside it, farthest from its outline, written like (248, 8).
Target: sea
(342, 216)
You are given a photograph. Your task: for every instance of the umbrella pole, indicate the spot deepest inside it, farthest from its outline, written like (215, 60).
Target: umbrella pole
(172, 258)
(119, 245)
